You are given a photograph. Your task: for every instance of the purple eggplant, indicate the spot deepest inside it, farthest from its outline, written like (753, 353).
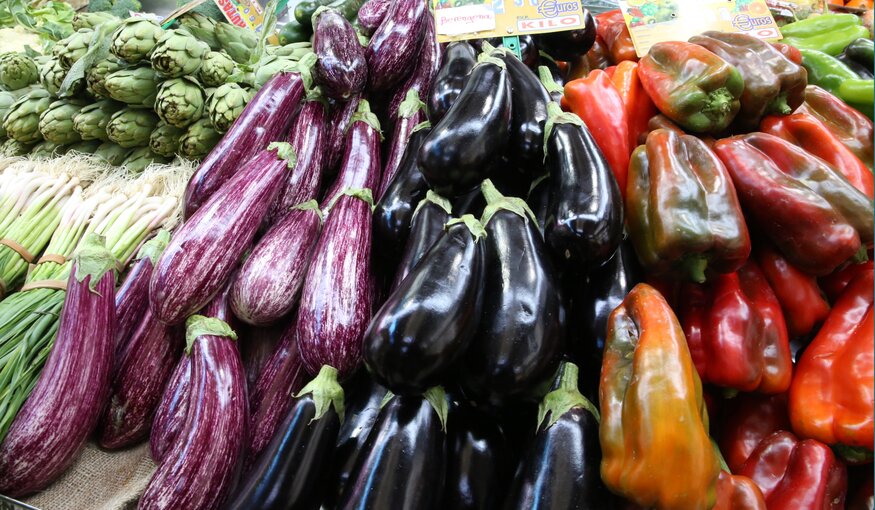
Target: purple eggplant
(203, 465)
(426, 227)
(256, 347)
(266, 287)
(65, 405)
(458, 60)
(281, 376)
(424, 74)
(395, 46)
(361, 154)
(132, 298)
(265, 119)
(204, 252)
(341, 70)
(142, 369)
(338, 124)
(372, 14)
(410, 117)
(478, 460)
(308, 139)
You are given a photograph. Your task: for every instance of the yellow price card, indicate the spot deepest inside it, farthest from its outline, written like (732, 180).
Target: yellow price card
(457, 20)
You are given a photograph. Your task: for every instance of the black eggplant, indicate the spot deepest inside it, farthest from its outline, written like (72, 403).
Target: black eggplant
(551, 65)
(477, 460)
(560, 469)
(528, 48)
(538, 200)
(859, 69)
(426, 227)
(394, 211)
(861, 51)
(585, 225)
(522, 326)
(470, 203)
(403, 465)
(428, 321)
(287, 474)
(569, 44)
(458, 60)
(548, 80)
(469, 140)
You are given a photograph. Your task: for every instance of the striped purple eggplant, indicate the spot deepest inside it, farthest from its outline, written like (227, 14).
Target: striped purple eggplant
(203, 465)
(65, 405)
(257, 345)
(265, 119)
(372, 14)
(132, 298)
(281, 376)
(426, 70)
(410, 115)
(338, 124)
(341, 70)
(394, 48)
(204, 252)
(308, 139)
(361, 154)
(267, 285)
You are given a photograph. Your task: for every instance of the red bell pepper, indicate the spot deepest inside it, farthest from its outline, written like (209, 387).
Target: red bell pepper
(796, 475)
(736, 492)
(612, 29)
(832, 398)
(809, 133)
(639, 107)
(851, 127)
(736, 332)
(834, 284)
(746, 420)
(790, 52)
(595, 100)
(803, 304)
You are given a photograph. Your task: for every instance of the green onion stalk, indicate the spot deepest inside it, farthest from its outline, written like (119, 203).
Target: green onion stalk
(17, 189)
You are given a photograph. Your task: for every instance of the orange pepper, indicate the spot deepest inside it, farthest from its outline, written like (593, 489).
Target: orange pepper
(639, 107)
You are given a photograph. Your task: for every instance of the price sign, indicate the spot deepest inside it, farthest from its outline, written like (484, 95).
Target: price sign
(457, 20)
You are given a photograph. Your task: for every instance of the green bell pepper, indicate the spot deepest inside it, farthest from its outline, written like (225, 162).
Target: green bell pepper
(829, 33)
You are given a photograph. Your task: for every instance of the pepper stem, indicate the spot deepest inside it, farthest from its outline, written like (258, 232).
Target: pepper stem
(779, 105)
(564, 398)
(326, 391)
(694, 267)
(719, 103)
(853, 454)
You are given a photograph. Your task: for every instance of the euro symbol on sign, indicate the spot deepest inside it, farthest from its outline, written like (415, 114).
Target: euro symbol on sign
(548, 9)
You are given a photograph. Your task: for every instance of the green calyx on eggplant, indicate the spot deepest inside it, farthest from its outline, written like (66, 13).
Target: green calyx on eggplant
(426, 227)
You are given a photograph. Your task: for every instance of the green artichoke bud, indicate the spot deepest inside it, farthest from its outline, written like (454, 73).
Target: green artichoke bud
(216, 69)
(238, 42)
(270, 66)
(46, 150)
(112, 153)
(13, 147)
(52, 76)
(95, 76)
(200, 26)
(84, 147)
(180, 102)
(227, 104)
(91, 121)
(139, 159)
(135, 87)
(294, 51)
(22, 120)
(74, 47)
(7, 99)
(56, 123)
(178, 54)
(131, 127)
(134, 39)
(17, 71)
(92, 19)
(165, 139)
(199, 139)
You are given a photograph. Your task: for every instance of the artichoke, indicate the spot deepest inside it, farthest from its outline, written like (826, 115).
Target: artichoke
(238, 42)
(199, 139)
(270, 66)
(165, 139)
(56, 123)
(131, 127)
(180, 102)
(13, 147)
(139, 159)
(22, 121)
(91, 121)
(95, 76)
(71, 49)
(112, 153)
(17, 71)
(216, 69)
(84, 147)
(178, 53)
(92, 19)
(134, 39)
(46, 150)
(135, 87)
(7, 99)
(200, 26)
(52, 76)
(227, 104)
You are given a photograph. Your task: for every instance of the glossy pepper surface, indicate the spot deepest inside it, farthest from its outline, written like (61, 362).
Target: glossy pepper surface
(648, 376)
(831, 398)
(802, 205)
(853, 129)
(692, 86)
(829, 33)
(833, 285)
(746, 420)
(612, 29)
(639, 107)
(683, 213)
(835, 76)
(795, 474)
(736, 332)
(736, 492)
(772, 83)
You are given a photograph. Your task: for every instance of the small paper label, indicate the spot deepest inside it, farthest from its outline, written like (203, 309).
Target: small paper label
(243, 13)
(458, 20)
(465, 19)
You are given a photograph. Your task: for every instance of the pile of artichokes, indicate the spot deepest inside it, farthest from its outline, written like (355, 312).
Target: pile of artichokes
(133, 93)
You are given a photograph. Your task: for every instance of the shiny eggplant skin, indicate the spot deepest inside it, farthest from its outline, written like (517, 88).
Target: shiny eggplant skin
(458, 60)
(585, 225)
(477, 460)
(426, 227)
(530, 99)
(341, 69)
(393, 213)
(528, 48)
(522, 326)
(555, 75)
(467, 143)
(539, 200)
(422, 77)
(569, 44)
(393, 49)
(403, 465)
(427, 323)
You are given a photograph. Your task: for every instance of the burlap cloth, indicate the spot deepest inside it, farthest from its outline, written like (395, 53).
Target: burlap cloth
(99, 480)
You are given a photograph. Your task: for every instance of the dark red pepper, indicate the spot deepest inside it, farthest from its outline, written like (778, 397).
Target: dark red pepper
(746, 420)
